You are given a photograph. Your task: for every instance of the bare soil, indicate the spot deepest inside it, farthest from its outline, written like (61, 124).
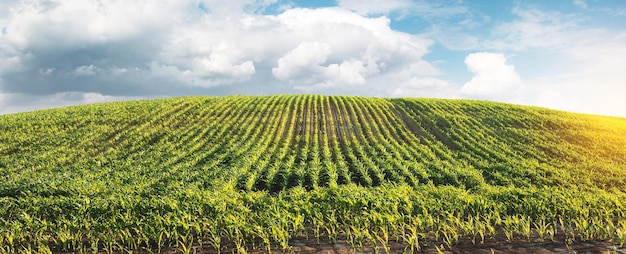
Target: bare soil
(496, 245)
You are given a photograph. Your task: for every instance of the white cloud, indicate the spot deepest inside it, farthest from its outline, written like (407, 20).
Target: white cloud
(334, 48)
(350, 72)
(554, 99)
(375, 6)
(71, 23)
(46, 71)
(83, 70)
(538, 29)
(115, 71)
(96, 98)
(605, 8)
(8, 62)
(454, 38)
(580, 4)
(306, 62)
(493, 77)
(531, 29)
(426, 87)
(304, 58)
(17, 102)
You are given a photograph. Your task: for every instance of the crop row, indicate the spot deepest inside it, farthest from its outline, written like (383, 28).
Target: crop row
(239, 171)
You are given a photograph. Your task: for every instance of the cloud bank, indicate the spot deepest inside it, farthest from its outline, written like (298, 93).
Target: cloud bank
(162, 48)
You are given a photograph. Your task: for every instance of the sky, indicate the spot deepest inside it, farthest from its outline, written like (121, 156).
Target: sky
(561, 54)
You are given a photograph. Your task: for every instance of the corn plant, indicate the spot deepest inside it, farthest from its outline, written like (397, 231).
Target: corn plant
(382, 236)
(185, 243)
(541, 227)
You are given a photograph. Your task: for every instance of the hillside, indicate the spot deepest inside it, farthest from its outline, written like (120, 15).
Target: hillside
(235, 171)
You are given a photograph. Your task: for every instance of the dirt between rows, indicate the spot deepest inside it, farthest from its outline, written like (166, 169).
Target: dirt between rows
(492, 245)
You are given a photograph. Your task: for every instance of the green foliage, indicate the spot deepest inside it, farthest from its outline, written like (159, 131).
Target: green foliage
(240, 171)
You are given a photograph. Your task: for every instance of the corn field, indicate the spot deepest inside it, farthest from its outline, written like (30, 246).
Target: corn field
(229, 174)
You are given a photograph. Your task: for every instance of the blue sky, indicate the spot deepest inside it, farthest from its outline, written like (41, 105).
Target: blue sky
(562, 54)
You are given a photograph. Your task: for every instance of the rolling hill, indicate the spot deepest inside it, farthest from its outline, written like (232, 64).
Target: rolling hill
(242, 171)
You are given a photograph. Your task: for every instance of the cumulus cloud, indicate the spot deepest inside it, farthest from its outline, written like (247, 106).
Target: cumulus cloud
(493, 77)
(336, 49)
(351, 72)
(304, 58)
